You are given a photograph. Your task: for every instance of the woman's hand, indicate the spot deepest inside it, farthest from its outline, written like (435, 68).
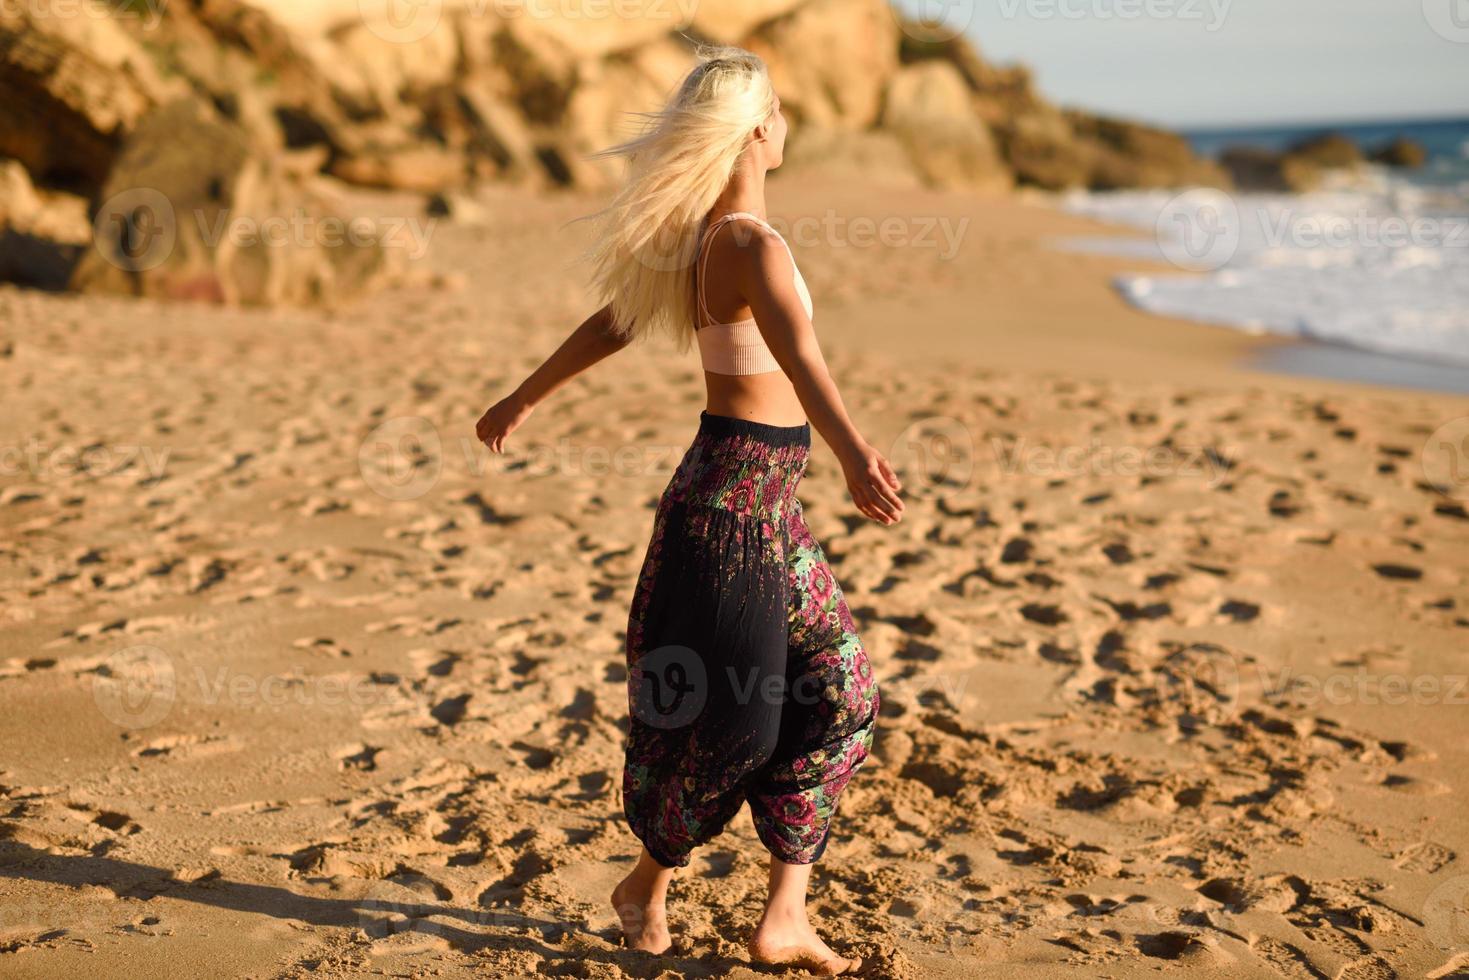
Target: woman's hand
(503, 418)
(873, 485)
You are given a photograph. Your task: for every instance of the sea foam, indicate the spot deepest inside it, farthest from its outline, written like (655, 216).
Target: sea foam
(1375, 261)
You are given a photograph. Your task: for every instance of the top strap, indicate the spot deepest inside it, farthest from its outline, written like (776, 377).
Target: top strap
(704, 253)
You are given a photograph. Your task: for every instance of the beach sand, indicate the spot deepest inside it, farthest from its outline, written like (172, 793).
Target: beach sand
(298, 680)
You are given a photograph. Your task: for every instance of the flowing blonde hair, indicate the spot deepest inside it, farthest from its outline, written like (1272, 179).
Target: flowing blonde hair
(648, 237)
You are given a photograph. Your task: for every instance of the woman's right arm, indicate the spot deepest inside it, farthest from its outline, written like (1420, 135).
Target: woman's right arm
(589, 344)
(765, 276)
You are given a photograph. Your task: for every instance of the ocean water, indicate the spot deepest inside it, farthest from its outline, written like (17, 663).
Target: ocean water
(1375, 265)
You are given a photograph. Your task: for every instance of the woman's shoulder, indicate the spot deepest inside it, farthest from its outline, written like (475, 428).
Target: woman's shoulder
(752, 240)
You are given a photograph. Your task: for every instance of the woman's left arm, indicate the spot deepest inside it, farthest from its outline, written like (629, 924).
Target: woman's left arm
(588, 345)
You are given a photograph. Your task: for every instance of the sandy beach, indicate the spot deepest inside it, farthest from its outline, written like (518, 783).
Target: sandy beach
(296, 679)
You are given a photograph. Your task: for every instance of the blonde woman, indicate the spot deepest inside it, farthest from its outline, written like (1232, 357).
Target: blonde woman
(747, 682)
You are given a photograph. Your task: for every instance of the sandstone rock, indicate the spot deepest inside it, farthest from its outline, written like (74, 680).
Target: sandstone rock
(603, 111)
(73, 86)
(873, 155)
(459, 207)
(1330, 151)
(1401, 152)
(731, 21)
(1042, 150)
(541, 72)
(191, 212)
(394, 71)
(1033, 137)
(916, 46)
(257, 73)
(41, 234)
(496, 132)
(1128, 154)
(418, 166)
(928, 107)
(595, 28)
(664, 63)
(831, 60)
(319, 16)
(1255, 169)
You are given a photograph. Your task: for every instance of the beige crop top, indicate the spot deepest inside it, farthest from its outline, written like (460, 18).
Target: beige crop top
(738, 348)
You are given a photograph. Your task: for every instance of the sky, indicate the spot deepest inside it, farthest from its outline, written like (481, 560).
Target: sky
(1199, 63)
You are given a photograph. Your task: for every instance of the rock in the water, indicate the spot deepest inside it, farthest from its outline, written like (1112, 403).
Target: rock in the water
(1129, 154)
(1401, 152)
(1256, 169)
(1329, 151)
(928, 107)
(191, 212)
(831, 60)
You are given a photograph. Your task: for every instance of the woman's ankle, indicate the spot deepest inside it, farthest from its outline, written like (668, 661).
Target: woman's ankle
(785, 913)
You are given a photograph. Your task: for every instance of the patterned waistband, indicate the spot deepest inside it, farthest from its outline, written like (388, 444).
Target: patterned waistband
(746, 467)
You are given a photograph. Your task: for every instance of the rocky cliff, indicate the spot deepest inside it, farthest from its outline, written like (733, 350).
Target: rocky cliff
(265, 103)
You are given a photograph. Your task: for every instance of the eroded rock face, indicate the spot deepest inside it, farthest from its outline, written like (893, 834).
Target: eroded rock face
(71, 88)
(1128, 154)
(192, 212)
(277, 94)
(731, 21)
(928, 107)
(41, 234)
(831, 60)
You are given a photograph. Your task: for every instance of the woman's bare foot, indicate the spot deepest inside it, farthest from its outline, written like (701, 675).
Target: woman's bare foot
(640, 903)
(785, 938)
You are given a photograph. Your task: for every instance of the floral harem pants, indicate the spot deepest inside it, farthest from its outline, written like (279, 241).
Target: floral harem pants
(746, 679)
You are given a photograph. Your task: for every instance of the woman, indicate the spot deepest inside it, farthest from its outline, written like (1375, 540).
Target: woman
(747, 682)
